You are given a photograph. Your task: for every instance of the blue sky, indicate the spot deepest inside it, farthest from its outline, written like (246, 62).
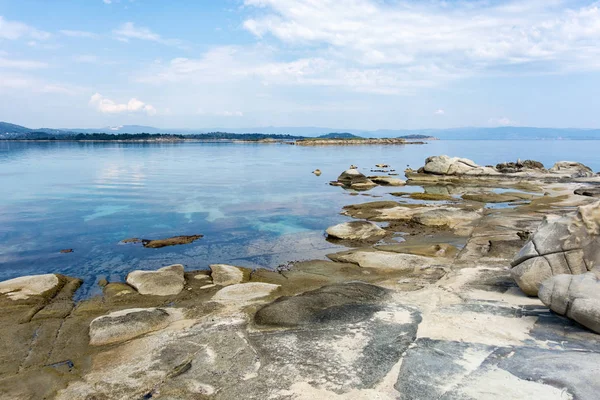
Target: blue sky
(364, 64)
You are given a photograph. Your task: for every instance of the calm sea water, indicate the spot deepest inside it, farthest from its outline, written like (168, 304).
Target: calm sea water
(258, 205)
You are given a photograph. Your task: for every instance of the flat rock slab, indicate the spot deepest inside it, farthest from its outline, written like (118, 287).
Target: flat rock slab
(123, 325)
(356, 230)
(461, 370)
(321, 305)
(491, 197)
(166, 281)
(387, 181)
(26, 286)
(385, 259)
(225, 275)
(245, 291)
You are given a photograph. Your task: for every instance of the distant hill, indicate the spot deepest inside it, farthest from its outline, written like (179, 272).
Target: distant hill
(339, 135)
(417, 137)
(12, 131)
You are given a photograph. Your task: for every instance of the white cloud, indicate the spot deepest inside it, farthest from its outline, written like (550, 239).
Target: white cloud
(78, 34)
(21, 64)
(129, 31)
(454, 39)
(108, 106)
(439, 112)
(107, 1)
(12, 30)
(20, 83)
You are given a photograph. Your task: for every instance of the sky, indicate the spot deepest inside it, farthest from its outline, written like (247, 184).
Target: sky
(360, 64)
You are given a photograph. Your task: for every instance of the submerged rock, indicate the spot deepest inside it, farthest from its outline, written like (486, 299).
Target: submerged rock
(172, 241)
(123, 325)
(424, 196)
(166, 281)
(356, 230)
(561, 245)
(225, 275)
(575, 296)
(27, 286)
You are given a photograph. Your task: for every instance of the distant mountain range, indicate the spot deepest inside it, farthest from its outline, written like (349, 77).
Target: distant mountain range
(12, 131)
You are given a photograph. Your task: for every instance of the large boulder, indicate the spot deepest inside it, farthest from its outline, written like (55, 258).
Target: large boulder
(127, 324)
(444, 165)
(27, 286)
(575, 296)
(166, 281)
(572, 169)
(561, 245)
(356, 230)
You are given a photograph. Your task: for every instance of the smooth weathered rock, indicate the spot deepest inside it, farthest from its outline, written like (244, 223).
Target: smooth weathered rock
(123, 325)
(26, 286)
(575, 296)
(561, 245)
(356, 230)
(424, 196)
(444, 165)
(225, 275)
(572, 169)
(166, 281)
(245, 291)
(519, 166)
(385, 259)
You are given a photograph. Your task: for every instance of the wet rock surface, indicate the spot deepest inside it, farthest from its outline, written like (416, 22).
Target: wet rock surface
(356, 230)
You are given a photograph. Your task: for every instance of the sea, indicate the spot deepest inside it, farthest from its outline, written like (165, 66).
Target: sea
(258, 205)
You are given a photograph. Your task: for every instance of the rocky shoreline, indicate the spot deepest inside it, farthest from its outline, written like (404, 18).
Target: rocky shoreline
(354, 142)
(450, 311)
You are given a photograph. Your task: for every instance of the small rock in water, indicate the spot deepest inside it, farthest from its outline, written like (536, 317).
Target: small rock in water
(64, 251)
(356, 230)
(382, 165)
(317, 172)
(172, 241)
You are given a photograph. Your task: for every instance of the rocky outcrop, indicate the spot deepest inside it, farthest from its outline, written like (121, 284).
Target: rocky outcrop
(225, 275)
(166, 281)
(572, 169)
(519, 166)
(444, 165)
(575, 296)
(593, 191)
(561, 245)
(354, 179)
(123, 325)
(356, 230)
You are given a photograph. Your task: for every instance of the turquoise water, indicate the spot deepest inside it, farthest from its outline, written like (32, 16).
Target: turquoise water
(258, 205)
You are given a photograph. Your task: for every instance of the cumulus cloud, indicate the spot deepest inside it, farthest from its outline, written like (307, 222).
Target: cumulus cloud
(108, 106)
(12, 30)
